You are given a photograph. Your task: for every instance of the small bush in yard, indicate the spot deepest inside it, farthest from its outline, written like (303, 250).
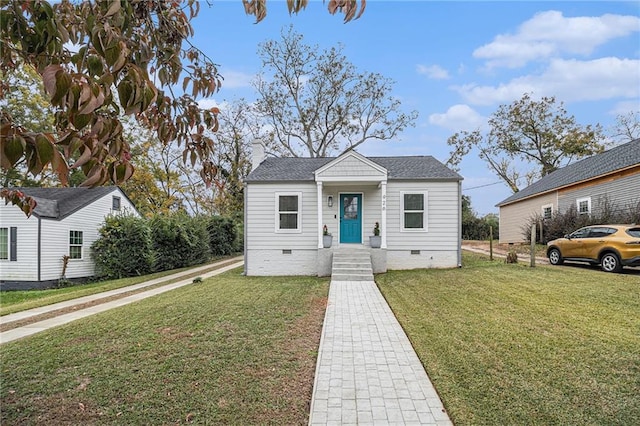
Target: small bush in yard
(512, 257)
(123, 248)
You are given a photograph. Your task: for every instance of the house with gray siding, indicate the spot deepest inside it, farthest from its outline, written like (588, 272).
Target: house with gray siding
(65, 222)
(611, 178)
(415, 200)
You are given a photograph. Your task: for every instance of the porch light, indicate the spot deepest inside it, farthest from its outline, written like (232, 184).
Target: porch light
(330, 201)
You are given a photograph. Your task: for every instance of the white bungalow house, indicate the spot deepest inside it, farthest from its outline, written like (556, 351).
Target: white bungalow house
(416, 201)
(65, 222)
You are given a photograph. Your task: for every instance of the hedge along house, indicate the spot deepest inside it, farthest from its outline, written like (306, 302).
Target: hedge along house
(416, 201)
(603, 181)
(65, 222)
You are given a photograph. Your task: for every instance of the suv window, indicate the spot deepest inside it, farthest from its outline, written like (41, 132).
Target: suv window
(634, 232)
(580, 233)
(601, 232)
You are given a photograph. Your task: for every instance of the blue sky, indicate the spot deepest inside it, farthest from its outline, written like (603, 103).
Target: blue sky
(454, 62)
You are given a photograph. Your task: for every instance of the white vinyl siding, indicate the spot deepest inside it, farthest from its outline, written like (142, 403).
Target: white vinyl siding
(413, 211)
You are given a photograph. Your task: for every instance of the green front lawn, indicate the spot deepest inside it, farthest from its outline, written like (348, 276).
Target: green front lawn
(509, 344)
(230, 350)
(20, 300)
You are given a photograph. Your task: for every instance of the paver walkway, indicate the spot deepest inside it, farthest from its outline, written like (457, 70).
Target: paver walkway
(368, 373)
(36, 327)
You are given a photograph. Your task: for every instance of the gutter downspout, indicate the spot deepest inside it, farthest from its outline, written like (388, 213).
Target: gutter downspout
(39, 247)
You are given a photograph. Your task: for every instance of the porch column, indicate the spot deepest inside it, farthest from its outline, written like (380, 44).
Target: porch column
(383, 232)
(319, 188)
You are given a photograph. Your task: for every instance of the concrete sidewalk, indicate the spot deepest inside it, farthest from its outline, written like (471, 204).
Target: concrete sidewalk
(39, 326)
(368, 373)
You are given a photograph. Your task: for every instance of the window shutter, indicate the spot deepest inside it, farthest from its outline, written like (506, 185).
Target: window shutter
(13, 244)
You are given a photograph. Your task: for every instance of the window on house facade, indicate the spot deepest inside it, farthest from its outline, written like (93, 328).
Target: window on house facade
(584, 205)
(115, 203)
(547, 211)
(288, 213)
(75, 244)
(4, 243)
(413, 211)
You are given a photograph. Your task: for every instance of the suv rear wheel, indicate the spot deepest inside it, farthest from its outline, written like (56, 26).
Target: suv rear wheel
(610, 262)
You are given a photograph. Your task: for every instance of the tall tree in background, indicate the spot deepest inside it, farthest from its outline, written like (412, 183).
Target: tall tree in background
(238, 127)
(316, 102)
(627, 127)
(118, 46)
(538, 133)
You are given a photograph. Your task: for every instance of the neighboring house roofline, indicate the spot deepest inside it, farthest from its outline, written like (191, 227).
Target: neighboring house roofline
(619, 158)
(59, 203)
(538, 194)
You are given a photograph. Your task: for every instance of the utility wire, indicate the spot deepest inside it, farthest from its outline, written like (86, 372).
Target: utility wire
(482, 186)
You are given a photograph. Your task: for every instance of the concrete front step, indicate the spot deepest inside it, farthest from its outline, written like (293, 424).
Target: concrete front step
(352, 265)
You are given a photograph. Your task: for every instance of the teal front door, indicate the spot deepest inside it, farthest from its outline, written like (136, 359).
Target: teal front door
(351, 218)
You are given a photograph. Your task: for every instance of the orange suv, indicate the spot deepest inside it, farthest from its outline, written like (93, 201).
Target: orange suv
(610, 246)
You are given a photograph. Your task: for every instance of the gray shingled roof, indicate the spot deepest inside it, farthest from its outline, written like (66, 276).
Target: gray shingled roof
(58, 203)
(617, 158)
(398, 168)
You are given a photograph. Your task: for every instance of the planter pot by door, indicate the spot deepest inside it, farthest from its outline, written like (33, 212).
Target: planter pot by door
(375, 241)
(327, 240)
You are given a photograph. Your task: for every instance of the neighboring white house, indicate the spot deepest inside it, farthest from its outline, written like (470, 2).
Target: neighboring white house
(65, 222)
(415, 199)
(606, 180)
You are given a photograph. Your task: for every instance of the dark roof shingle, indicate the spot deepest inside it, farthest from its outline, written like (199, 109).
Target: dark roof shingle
(617, 158)
(398, 168)
(58, 203)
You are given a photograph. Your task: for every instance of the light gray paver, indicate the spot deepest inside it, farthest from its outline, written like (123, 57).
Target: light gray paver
(367, 371)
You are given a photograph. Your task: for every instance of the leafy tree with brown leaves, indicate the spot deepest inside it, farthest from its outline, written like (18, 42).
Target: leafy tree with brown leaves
(528, 139)
(139, 50)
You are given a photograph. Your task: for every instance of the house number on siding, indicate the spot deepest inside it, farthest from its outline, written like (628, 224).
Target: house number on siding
(384, 202)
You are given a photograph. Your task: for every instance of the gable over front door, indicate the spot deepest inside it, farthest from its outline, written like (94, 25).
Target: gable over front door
(351, 218)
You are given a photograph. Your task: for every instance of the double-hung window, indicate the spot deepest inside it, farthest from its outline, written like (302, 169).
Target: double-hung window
(4, 243)
(288, 210)
(115, 203)
(547, 211)
(413, 214)
(75, 244)
(584, 205)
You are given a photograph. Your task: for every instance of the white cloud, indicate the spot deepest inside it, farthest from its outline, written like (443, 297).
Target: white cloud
(434, 72)
(568, 80)
(550, 34)
(458, 118)
(235, 79)
(625, 107)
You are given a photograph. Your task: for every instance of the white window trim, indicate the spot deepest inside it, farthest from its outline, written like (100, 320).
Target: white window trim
(76, 245)
(580, 200)
(546, 206)
(425, 221)
(113, 201)
(298, 230)
(8, 244)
